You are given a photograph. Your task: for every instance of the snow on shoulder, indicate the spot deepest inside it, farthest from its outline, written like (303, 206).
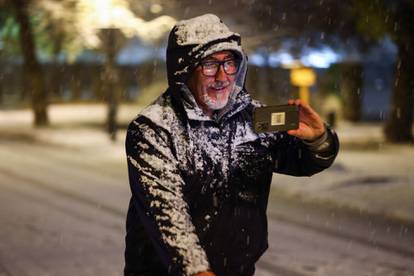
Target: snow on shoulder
(160, 113)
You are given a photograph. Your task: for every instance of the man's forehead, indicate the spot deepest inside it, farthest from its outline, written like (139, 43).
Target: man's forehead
(220, 55)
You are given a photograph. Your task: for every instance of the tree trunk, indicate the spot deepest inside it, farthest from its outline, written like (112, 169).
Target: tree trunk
(111, 82)
(56, 72)
(398, 128)
(351, 91)
(32, 70)
(1, 90)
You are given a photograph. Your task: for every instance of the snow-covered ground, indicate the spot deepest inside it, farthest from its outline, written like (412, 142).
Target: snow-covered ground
(376, 181)
(368, 174)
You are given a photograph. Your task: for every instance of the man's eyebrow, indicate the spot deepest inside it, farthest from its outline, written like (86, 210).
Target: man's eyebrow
(229, 56)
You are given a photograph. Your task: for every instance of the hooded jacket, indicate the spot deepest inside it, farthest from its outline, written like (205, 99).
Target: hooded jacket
(200, 184)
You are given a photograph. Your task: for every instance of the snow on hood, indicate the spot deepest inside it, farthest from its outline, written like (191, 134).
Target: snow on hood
(201, 30)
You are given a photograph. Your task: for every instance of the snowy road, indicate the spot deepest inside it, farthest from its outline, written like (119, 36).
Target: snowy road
(62, 211)
(308, 239)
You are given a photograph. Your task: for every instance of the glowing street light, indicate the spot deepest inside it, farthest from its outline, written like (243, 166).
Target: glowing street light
(304, 78)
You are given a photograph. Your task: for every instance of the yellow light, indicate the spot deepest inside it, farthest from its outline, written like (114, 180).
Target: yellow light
(156, 8)
(302, 77)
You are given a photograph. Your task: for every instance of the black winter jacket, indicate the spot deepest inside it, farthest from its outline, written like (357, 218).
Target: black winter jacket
(200, 185)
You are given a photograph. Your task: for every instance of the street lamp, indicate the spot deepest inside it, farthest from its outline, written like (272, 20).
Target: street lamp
(304, 78)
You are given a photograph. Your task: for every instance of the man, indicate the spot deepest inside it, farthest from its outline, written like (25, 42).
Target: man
(199, 175)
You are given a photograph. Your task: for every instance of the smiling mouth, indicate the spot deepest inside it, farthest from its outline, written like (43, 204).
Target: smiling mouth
(219, 89)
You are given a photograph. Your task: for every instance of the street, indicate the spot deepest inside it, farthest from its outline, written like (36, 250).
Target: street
(62, 212)
(217, 97)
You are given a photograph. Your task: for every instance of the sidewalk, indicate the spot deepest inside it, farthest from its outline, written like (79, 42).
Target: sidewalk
(368, 175)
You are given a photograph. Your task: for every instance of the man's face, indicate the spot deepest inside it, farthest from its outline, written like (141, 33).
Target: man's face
(212, 89)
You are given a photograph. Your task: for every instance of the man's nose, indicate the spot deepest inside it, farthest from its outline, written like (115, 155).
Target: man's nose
(221, 75)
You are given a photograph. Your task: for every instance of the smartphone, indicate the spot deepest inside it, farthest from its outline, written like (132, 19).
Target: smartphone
(275, 118)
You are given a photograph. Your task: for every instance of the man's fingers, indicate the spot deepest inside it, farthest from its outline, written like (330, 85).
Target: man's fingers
(310, 122)
(306, 113)
(308, 109)
(296, 102)
(293, 132)
(291, 101)
(304, 107)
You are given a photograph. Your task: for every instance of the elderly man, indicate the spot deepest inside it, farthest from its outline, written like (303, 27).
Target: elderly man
(199, 174)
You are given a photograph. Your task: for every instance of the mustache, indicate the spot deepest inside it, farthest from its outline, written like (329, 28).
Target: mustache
(219, 84)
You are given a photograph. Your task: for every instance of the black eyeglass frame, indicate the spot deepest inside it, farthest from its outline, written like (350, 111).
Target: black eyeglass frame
(219, 64)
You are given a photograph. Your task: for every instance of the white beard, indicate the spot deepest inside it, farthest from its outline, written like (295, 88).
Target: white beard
(217, 103)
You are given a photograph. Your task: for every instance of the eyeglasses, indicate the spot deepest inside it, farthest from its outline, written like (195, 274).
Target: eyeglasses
(210, 67)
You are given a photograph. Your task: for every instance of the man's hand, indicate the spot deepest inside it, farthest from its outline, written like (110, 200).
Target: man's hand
(311, 125)
(206, 273)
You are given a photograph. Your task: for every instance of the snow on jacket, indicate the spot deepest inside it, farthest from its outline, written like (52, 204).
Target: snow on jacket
(200, 185)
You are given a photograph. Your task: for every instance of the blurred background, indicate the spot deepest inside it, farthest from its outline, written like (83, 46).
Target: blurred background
(74, 73)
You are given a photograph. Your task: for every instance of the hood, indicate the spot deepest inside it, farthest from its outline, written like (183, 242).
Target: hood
(192, 40)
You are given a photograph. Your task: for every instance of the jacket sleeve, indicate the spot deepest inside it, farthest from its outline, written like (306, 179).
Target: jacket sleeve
(295, 157)
(156, 187)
